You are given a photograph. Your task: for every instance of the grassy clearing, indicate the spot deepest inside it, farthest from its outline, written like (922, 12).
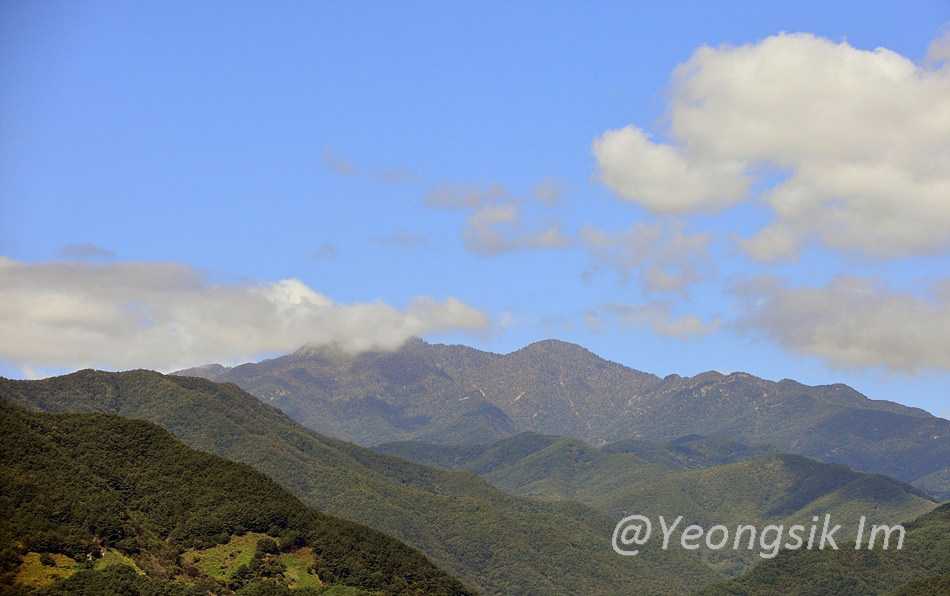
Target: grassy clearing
(113, 557)
(298, 564)
(35, 574)
(220, 562)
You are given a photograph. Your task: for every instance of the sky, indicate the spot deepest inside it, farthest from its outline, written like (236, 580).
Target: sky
(676, 186)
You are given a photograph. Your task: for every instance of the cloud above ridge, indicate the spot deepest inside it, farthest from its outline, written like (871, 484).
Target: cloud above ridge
(167, 316)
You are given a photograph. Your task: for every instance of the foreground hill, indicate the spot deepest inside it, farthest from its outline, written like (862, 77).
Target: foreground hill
(459, 395)
(921, 568)
(707, 482)
(84, 492)
(499, 543)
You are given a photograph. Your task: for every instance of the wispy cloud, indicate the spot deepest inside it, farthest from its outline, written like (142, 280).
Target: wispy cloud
(85, 250)
(497, 229)
(656, 316)
(663, 256)
(346, 167)
(325, 252)
(337, 164)
(459, 196)
(402, 239)
(549, 191)
(395, 176)
(939, 50)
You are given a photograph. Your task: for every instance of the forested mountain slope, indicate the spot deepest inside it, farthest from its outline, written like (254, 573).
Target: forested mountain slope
(921, 568)
(707, 482)
(83, 492)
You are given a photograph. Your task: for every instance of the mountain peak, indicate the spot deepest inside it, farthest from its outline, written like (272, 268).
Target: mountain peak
(554, 346)
(710, 376)
(208, 371)
(336, 350)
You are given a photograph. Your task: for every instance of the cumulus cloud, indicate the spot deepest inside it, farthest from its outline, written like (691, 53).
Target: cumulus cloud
(861, 140)
(168, 316)
(661, 254)
(495, 229)
(852, 322)
(85, 250)
(662, 178)
(657, 316)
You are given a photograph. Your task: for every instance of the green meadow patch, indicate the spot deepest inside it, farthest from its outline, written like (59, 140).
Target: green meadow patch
(220, 562)
(39, 570)
(113, 557)
(298, 564)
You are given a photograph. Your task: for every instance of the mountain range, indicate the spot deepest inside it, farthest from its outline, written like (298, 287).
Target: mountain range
(545, 534)
(469, 478)
(493, 541)
(457, 395)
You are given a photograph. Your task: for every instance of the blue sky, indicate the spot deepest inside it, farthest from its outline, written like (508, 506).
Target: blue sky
(252, 145)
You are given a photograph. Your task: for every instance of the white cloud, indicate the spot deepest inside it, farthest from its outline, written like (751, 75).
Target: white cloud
(658, 317)
(862, 137)
(495, 229)
(661, 178)
(852, 322)
(167, 316)
(666, 258)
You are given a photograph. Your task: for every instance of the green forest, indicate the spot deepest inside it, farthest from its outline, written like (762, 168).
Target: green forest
(78, 488)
